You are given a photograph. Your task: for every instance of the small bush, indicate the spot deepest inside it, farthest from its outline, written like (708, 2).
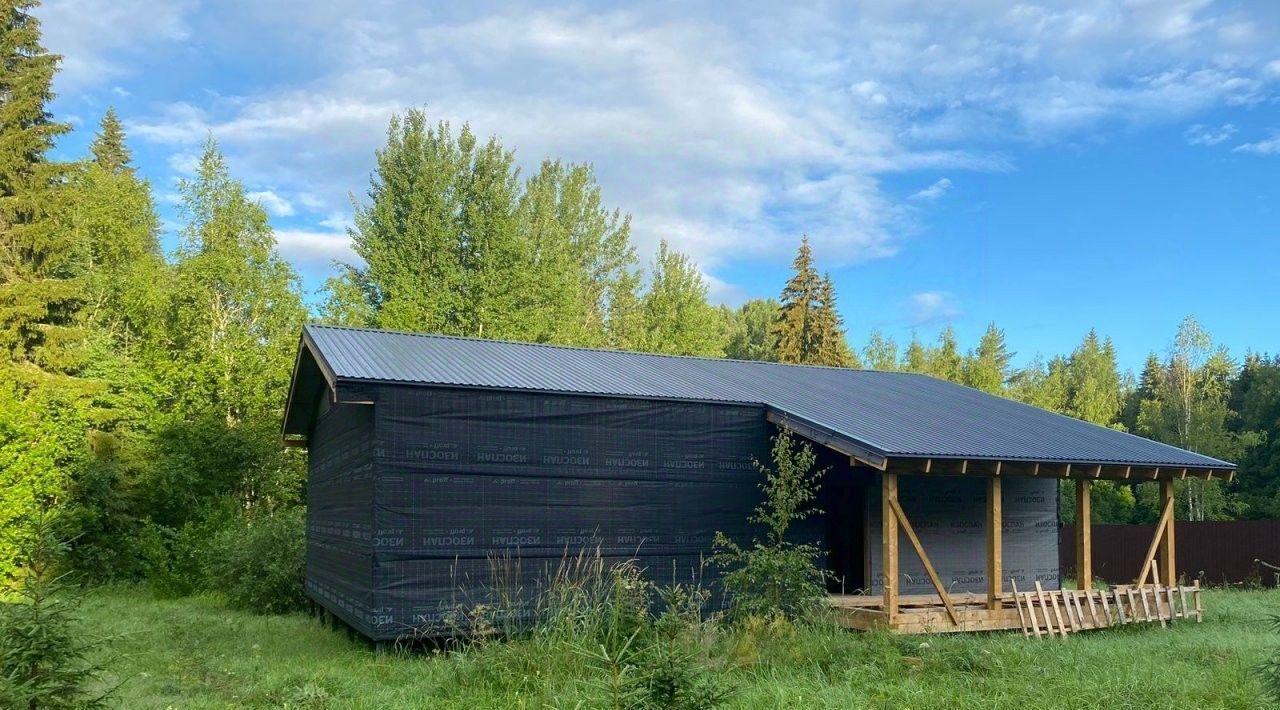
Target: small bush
(259, 562)
(180, 561)
(776, 576)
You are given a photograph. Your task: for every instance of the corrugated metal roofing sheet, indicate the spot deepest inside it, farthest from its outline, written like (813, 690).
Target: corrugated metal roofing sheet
(890, 413)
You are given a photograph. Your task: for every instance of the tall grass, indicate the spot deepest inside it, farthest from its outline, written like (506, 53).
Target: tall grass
(196, 653)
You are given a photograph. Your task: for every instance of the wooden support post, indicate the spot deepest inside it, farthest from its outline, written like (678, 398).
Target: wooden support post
(1167, 553)
(1084, 534)
(995, 547)
(924, 560)
(889, 544)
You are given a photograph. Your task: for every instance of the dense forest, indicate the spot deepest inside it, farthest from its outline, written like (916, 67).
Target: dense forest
(142, 386)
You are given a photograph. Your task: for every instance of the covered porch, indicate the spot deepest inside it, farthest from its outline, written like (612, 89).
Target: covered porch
(1015, 602)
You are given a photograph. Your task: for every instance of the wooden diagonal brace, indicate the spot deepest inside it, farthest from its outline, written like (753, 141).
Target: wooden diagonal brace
(924, 559)
(1165, 516)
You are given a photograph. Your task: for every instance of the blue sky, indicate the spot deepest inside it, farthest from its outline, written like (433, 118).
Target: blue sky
(1049, 166)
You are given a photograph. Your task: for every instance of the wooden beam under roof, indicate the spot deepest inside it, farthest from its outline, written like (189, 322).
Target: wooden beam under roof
(856, 453)
(1050, 469)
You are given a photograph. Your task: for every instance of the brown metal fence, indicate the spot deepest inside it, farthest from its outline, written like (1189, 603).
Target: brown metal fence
(1227, 552)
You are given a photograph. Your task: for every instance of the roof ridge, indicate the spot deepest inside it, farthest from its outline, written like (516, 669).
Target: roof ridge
(583, 348)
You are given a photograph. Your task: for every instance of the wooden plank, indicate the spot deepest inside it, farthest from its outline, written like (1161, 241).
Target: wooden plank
(1075, 599)
(936, 621)
(1196, 595)
(1069, 612)
(1146, 608)
(1182, 592)
(1133, 605)
(1022, 616)
(1057, 614)
(1172, 609)
(1165, 515)
(1155, 591)
(1044, 608)
(861, 619)
(1120, 607)
(1035, 624)
(889, 543)
(1093, 609)
(906, 600)
(1049, 601)
(1106, 609)
(995, 545)
(1084, 534)
(924, 559)
(1168, 554)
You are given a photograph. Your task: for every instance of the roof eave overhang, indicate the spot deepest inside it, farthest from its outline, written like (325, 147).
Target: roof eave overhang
(857, 451)
(1132, 472)
(292, 432)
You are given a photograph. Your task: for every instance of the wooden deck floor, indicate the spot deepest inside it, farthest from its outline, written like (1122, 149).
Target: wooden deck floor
(1071, 610)
(924, 613)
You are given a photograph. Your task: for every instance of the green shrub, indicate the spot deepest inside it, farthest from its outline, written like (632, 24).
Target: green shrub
(259, 562)
(643, 659)
(181, 561)
(776, 576)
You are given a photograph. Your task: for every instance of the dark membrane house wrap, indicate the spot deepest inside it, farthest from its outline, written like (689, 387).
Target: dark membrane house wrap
(447, 473)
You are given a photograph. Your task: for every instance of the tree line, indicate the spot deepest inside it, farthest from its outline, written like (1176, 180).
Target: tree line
(141, 388)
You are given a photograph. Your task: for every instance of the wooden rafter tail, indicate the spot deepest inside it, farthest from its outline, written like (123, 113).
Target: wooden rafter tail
(924, 559)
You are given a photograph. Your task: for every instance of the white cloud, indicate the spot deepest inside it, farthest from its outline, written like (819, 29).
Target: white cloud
(932, 307)
(728, 131)
(99, 39)
(1268, 146)
(1203, 135)
(274, 204)
(315, 248)
(934, 191)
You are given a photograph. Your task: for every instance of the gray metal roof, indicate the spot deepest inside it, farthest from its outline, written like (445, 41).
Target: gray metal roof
(886, 413)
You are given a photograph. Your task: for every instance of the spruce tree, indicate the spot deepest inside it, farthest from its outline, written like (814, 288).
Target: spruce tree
(987, 368)
(43, 399)
(39, 289)
(1148, 382)
(117, 230)
(831, 346)
(793, 328)
(108, 146)
(1094, 382)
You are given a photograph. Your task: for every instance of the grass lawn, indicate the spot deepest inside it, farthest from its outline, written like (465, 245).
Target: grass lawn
(194, 653)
